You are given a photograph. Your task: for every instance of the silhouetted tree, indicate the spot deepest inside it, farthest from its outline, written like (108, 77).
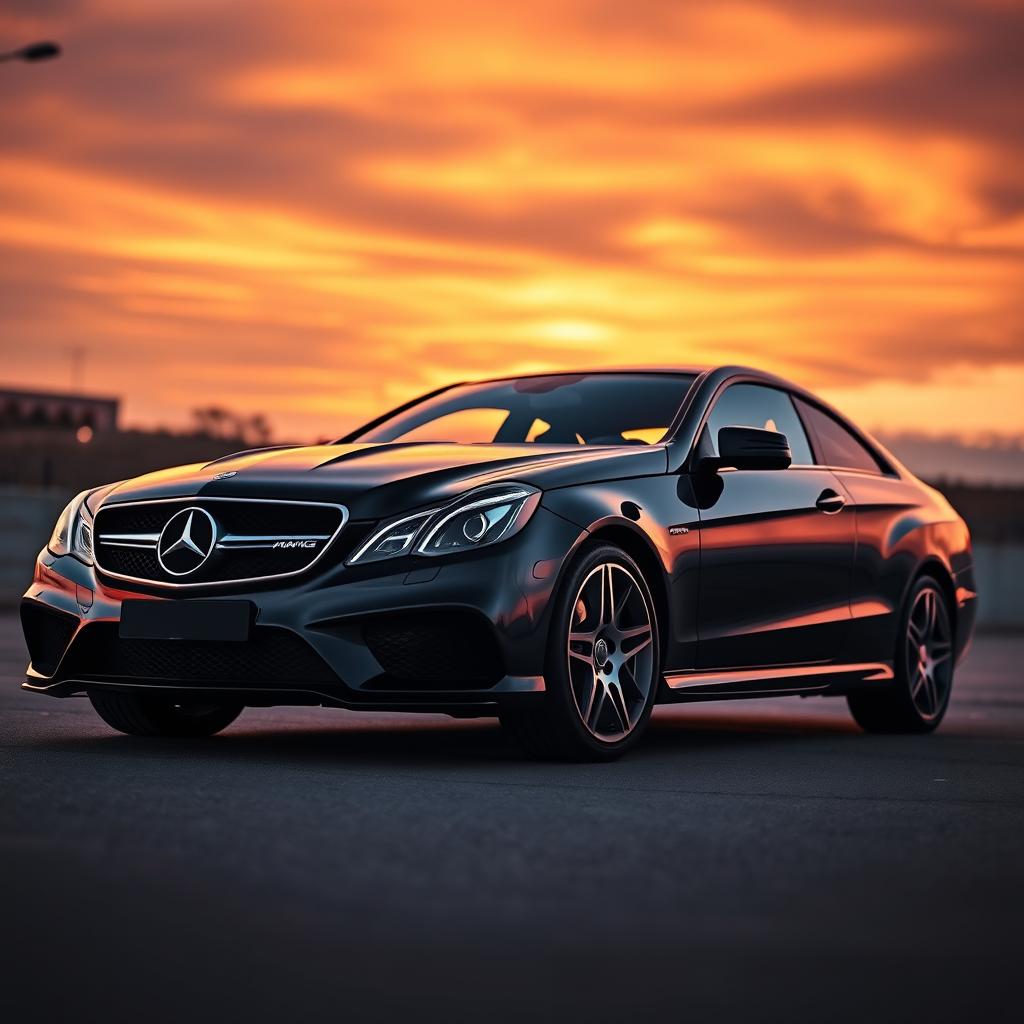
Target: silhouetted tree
(258, 431)
(224, 425)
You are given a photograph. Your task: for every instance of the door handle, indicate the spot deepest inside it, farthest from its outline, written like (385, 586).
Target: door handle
(830, 502)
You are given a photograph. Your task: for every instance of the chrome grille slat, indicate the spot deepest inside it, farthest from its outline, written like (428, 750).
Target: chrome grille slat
(235, 542)
(229, 541)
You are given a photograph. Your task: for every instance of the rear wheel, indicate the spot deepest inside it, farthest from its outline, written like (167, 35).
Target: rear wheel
(146, 715)
(603, 664)
(923, 667)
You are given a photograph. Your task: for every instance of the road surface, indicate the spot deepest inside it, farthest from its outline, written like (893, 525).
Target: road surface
(751, 861)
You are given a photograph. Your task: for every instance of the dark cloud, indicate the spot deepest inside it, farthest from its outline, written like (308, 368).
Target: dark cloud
(969, 88)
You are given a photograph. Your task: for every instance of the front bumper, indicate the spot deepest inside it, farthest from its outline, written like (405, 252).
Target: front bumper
(411, 637)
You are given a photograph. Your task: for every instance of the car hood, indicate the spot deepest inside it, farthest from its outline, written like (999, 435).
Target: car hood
(376, 480)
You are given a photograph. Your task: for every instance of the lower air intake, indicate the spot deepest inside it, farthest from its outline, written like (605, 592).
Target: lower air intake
(443, 649)
(272, 657)
(47, 634)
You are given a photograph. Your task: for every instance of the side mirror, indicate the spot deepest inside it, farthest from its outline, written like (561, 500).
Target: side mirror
(750, 448)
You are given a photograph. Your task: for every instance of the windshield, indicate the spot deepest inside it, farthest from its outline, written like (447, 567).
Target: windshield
(591, 408)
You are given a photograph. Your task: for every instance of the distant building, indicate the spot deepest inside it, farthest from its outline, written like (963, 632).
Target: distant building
(51, 410)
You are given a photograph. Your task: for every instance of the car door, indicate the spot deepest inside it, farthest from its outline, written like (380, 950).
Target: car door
(888, 513)
(776, 546)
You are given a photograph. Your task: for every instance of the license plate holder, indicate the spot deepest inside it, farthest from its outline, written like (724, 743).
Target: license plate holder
(186, 620)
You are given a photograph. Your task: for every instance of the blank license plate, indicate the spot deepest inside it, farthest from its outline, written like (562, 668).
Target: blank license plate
(185, 620)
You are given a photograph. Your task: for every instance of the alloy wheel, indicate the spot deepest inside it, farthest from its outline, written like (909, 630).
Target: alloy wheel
(611, 652)
(929, 654)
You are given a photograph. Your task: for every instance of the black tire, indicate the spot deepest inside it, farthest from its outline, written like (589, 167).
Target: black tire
(923, 663)
(556, 728)
(146, 715)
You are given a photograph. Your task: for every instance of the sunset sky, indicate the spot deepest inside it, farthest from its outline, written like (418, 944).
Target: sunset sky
(318, 209)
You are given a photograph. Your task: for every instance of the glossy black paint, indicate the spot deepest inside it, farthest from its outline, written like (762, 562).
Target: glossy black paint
(783, 580)
(775, 570)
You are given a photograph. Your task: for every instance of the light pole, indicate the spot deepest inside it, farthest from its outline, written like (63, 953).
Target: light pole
(33, 52)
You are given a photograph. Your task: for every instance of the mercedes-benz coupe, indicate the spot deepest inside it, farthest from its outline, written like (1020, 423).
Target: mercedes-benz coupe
(560, 551)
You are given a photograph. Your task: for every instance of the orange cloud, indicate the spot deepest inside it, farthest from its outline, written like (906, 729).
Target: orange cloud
(320, 209)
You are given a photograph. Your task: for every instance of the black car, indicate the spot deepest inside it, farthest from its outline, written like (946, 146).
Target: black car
(560, 551)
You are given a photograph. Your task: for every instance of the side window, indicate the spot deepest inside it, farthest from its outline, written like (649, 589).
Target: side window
(838, 447)
(755, 405)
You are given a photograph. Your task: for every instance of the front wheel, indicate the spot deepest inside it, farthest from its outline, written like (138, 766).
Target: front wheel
(603, 664)
(146, 715)
(923, 665)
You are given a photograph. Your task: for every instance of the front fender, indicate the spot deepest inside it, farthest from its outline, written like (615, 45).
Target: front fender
(654, 521)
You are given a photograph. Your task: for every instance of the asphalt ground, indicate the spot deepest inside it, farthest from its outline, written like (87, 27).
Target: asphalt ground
(755, 860)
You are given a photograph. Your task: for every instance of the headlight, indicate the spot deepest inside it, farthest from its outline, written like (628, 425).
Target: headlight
(394, 538)
(479, 520)
(73, 533)
(473, 521)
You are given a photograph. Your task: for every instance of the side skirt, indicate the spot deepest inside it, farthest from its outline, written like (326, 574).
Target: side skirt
(786, 680)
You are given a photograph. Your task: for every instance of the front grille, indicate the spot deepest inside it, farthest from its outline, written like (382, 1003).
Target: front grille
(47, 635)
(433, 649)
(271, 657)
(251, 539)
(137, 562)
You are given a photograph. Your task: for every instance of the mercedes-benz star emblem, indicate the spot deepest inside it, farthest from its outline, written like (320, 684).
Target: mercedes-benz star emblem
(186, 541)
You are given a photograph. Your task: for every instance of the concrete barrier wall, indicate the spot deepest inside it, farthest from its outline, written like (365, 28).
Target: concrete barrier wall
(26, 521)
(999, 569)
(27, 517)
